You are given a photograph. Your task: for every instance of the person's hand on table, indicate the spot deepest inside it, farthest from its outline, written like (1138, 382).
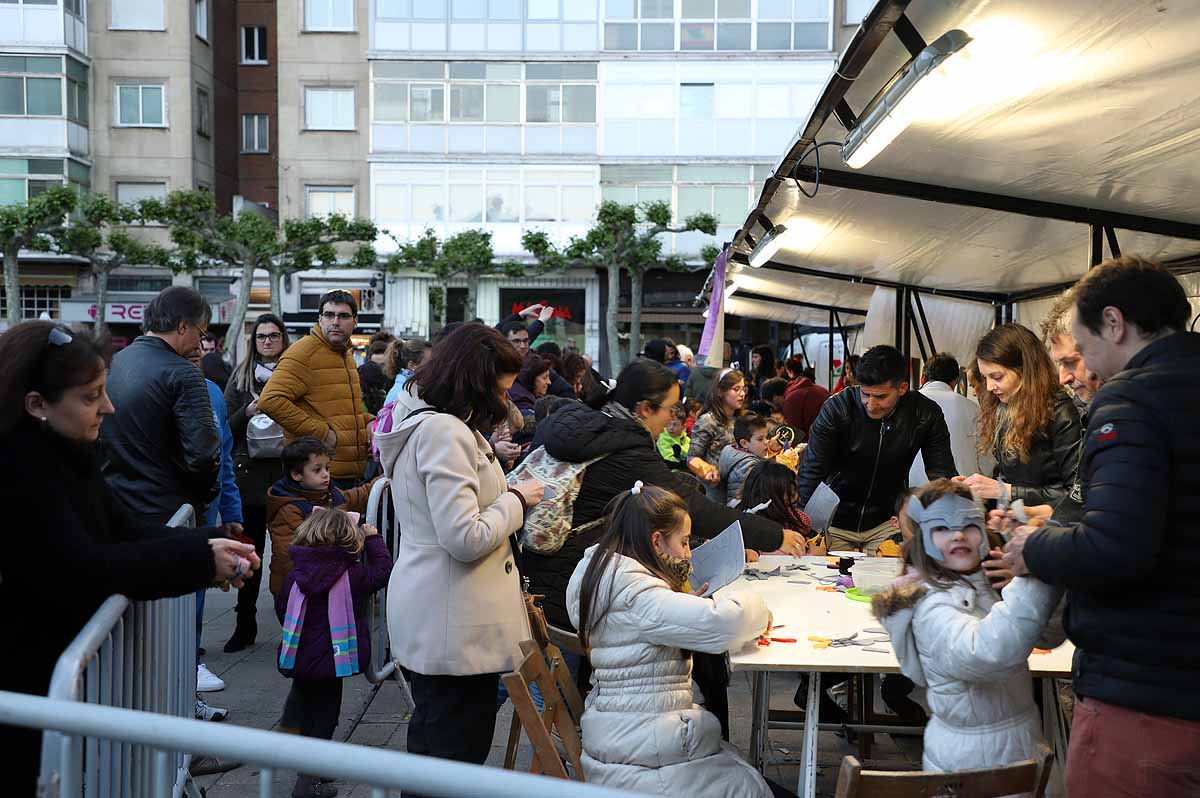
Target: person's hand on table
(818, 549)
(751, 555)
(983, 487)
(770, 623)
(996, 571)
(794, 543)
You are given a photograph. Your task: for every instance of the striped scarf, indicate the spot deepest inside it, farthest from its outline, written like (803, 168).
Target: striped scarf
(342, 628)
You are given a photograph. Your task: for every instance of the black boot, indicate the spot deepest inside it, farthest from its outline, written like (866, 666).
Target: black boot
(244, 633)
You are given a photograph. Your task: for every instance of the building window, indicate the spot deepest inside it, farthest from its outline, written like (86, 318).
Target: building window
(329, 15)
(77, 92)
(135, 191)
(323, 201)
(203, 113)
(73, 7)
(128, 283)
(254, 133)
(329, 108)
(141, 105)
(202, 19)
(856, 10)
(717, 25)
(22, 179)
(557, 101)
(137, 15)
(38, 299)
(25, 89)
(254, 44)
(722, 190)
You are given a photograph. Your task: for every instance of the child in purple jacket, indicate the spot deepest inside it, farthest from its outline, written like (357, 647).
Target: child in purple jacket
(336, 566)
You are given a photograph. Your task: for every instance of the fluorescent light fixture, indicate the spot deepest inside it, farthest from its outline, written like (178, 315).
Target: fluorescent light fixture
(767, 246)
(906, 98)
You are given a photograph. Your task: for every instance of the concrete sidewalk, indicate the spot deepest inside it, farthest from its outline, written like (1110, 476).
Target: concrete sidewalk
(256, 691)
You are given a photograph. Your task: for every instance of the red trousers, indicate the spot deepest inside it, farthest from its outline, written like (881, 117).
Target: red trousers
(1122, 753)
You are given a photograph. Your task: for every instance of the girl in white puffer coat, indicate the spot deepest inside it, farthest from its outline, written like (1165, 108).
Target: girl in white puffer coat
(967, 646)
(629, 598)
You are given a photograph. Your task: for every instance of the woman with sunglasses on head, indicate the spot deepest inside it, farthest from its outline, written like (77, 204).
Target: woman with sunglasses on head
(267, 342)
(73, 547)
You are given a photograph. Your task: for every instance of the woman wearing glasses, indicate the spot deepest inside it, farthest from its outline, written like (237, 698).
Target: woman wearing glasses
(68, 545)
(268, 340)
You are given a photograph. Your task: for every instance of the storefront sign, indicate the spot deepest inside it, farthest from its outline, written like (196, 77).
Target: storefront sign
(569, 304)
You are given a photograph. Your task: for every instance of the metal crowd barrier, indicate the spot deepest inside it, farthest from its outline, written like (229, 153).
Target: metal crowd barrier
(382, 515)
(385, 771)
(133, 655)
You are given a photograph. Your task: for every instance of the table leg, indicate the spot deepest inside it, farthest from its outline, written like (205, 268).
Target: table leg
(807, 786)
(1054, 732)
(760, 704)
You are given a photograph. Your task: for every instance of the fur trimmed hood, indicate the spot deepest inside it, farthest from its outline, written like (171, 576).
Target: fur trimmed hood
(895, 599)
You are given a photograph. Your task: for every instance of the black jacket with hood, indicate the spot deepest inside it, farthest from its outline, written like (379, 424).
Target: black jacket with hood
(866, 462)
(1133, 591)
(575, 433)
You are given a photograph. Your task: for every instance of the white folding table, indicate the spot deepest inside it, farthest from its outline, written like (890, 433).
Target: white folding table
(803, 610)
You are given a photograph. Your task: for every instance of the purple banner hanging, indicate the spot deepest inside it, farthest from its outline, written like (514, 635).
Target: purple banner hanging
(716, 305)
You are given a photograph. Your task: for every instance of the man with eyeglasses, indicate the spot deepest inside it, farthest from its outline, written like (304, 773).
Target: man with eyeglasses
(315, 389)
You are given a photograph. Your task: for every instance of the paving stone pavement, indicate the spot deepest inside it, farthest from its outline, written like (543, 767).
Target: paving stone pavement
(256, 691)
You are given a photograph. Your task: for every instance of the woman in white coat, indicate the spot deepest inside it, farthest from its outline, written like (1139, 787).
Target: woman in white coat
(967, 646)
(454, 607)
(629, 599)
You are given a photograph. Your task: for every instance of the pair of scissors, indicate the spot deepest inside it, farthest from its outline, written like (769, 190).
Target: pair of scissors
(766, 641)
(837, 642)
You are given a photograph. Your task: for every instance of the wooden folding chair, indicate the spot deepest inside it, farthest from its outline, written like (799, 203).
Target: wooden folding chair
(554, 717)
(1021, 778)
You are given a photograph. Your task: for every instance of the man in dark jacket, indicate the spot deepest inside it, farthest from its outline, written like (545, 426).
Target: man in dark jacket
(863, 444)
(161, 448)
(1134, 594)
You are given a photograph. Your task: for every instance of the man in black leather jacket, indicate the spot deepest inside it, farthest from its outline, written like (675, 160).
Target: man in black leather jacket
(863, 444)
(1133, 591)
(161, 448)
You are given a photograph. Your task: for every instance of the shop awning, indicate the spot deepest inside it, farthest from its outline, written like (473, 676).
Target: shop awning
(1070, 132)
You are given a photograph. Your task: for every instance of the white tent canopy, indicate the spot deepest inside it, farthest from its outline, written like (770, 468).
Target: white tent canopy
(1062, 126)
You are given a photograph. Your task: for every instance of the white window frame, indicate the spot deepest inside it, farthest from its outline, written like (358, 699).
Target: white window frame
(200, 16)
(203, 112)
(138, 182)
(353, 108)
(140, 87)
(263, 146)
(330, 4)
(260, 47)
(317, 188)
(160, 24)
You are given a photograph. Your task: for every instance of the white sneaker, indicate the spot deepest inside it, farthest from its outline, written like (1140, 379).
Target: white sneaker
(207, 681)
(206, 712)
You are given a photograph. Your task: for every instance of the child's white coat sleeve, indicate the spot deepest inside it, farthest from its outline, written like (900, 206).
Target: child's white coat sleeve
(712, 625)
(986, 649)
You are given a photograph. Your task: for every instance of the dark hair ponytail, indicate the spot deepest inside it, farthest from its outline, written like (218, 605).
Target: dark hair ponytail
(640, 381)
(630, 526)
(30, 361)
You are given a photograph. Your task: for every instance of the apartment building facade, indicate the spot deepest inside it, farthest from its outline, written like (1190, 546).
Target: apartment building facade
(505, 115)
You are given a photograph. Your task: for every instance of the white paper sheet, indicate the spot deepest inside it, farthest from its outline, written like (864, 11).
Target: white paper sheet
(720, 560)
(821, 507)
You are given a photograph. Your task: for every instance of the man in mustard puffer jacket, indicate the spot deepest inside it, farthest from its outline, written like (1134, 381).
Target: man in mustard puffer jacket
(315, 390)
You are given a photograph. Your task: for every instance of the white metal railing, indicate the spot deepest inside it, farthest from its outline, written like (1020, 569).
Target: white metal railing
(382, 516)
(136, 655)
(384, 771)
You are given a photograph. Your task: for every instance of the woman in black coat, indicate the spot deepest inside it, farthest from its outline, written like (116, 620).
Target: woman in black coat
(68, 547)
(268, 341)
(1027, 421)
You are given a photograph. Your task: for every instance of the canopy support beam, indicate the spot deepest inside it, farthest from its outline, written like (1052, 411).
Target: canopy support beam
(909, 36)
(889, 186)
(742, 294)
(988, 298)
